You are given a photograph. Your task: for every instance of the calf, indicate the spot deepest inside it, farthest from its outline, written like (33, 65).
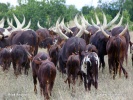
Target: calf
(91, 48)
(20, 59)
(5, 58)
(54, 53)
(72, 69)
(35, 67)
(46, 76)
(89, 68)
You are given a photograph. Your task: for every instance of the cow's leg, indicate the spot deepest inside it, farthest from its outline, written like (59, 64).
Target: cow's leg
(35, 83)
(132, 59)
(51, 87)
(109, 62)
(85, 82)
(114, 70)
(69, 80)
(89, 83)
(45, 91)
(27, 66)
(81, 78)
(124, 71)
(96, 78)
(14, 67)
(74, 81)
(41, 88)
(103, 63)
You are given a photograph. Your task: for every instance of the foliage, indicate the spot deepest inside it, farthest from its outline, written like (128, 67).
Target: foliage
(48, 11)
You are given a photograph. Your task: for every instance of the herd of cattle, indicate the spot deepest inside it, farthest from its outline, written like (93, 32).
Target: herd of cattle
(76, 50)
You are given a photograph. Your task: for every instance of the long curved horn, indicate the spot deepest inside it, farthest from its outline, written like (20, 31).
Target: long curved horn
(1, 36)
(94, 24)
(124, 31)
(23, 23)
(10, 24)
(58, 21)
(27, 27)
(61, 34)
(63, 25)
(85, 21)
(104, 20)
(17, 22)
(2, 23)
(2, 20)
(39, 26)
(120, 22)
(68, 25)
(104, 33)
(113, 21)
(97, 19)
(76, 22)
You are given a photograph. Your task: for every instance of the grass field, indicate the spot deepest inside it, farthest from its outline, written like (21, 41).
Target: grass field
(22, 88)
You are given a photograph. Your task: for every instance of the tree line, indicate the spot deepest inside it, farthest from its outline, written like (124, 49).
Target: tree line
(48, 11)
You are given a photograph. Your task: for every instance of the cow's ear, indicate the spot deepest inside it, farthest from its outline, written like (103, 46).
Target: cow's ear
(38, 62)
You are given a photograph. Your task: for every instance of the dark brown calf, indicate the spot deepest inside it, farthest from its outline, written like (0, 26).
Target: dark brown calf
(46, 76)
(20, 59)
(5, 58)
(91, 48)
(53, 51)
(35, 67)
(72, 69)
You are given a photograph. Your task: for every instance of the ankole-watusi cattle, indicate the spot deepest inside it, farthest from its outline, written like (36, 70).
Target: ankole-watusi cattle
(100, 41)
(91, 48)
(72, 69)
(35, 67)
(5, 58)
(25, 37)
(117, 51)
(53, 51)
(89, 67)
(46, 76)
(47, 41)
(72, 45)
(20, 59)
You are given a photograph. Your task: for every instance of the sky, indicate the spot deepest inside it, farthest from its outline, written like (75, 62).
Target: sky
(78, 3)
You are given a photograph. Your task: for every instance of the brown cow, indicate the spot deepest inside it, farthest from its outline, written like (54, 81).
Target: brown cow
(35, 67)
(5, 58)
(116, 50)
(72, 69)
(91, 48)
(89, 67)
(20, 59)
(53, 51)
(46, 76)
